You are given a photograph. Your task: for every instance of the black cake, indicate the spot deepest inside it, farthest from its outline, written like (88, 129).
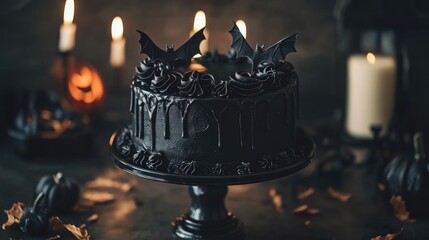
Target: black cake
(217, 115)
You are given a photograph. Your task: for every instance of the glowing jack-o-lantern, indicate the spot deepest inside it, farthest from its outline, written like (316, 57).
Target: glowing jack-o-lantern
(85, 86)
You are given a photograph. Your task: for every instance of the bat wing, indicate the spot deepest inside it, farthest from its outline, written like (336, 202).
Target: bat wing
(279, 50)
(148, 47)
(190, 48)
(239, 43)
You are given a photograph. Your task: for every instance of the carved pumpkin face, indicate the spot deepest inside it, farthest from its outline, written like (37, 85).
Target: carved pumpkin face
(85, 85)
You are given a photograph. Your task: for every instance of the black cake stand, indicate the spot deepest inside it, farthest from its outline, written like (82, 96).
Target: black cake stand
(208, 217)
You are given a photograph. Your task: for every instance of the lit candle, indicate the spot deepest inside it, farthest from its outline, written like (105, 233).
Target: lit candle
(68, 29)
(200, 22)
(242, 27)
(371, 93)
(117, 47)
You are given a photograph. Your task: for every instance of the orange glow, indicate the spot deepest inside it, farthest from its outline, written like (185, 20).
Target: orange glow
(371, 58)
(85, 85)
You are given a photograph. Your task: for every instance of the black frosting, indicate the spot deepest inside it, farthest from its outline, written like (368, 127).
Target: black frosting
(157, 76)
(241, 84)
(196, 84)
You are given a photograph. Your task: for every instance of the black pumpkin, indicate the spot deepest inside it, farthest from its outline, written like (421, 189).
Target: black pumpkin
(408, 176)
(34, 220)
(62, 193)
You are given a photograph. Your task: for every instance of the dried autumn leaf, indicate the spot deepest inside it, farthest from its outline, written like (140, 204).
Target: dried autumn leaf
(307, 223)
(109, 183)
(93, 218)
(54, 237)
(14, 214)
(381, 187)
(278, 203)
(98, 197)
(389, 236)
(312, 211)
(79, 232)
(400, 209)
(272, 192)
(300, 209)
(343, 197)
(56, 223)
(307, 193)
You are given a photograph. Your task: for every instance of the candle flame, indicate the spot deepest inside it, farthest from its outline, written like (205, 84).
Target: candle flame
(371, 58)
(69, 12)
(117, 28)
(199, 21)
(242, 27)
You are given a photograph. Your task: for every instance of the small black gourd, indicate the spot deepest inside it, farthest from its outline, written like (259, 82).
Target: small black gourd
(408, 176)
(34, 220)
(62, 193)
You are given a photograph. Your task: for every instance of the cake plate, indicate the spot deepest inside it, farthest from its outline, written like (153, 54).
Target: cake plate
(208, 217)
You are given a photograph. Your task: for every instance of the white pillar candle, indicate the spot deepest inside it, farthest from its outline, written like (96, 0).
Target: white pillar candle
(371, 94)
(200, 22)
(117, 47)
(68, 29)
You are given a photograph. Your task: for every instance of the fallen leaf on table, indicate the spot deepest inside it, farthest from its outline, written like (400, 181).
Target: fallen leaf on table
(381, 187)
(272, 192)
(14, 214)
(277, 200)
(300, 209)
(400, 209)
(306, 209)
(93, 218)
(54, 237)
(109, 183)
(79, 232)
(98, 197)
(343, 197)
(56, 223)
(307, 223)
(307, 193)
(389, 236)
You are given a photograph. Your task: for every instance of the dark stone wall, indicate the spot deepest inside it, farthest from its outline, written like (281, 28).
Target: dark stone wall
(29, 37)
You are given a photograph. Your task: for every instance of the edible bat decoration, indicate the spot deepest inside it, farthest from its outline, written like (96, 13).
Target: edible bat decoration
(179, 57)
(274, 53)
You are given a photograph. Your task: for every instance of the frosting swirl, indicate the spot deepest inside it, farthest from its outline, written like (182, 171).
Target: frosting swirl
(145, 72)
(154, 161)
(241, 84)
(275, 75)
(196, 84)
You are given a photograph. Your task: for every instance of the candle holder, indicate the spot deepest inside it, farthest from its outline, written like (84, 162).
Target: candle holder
(208, 217)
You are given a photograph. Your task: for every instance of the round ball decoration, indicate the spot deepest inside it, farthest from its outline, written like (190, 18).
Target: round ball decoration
(407, 175)
(62, 193)
(34, 220)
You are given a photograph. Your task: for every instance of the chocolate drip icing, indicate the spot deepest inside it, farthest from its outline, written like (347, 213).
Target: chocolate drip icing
(196, 84)
(218, 119)
(241, 84)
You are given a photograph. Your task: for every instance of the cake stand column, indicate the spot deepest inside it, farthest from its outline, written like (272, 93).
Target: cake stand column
(207, 217)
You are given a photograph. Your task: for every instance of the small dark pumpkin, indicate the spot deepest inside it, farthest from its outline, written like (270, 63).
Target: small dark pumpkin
(34, 220)
(62, 193)
(408, 176)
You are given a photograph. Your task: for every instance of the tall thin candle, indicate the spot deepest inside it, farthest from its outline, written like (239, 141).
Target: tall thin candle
(68, 29)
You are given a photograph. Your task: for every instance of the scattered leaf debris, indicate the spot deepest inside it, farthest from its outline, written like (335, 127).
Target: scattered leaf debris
(79, 232)
(400, 209)
(342, 197)
(307, 223)
(14, 214)
(277, 200)
(109, 183)
(389, 236)
(381, 187)
(54, 237)
(98, 197)
(56, 223)
(93, 218)
(305, 194)
(304, 208)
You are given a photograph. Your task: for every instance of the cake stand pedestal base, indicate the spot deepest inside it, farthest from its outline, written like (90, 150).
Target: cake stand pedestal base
(207, 217)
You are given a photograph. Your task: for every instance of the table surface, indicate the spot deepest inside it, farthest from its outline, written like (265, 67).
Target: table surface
(146, 211)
